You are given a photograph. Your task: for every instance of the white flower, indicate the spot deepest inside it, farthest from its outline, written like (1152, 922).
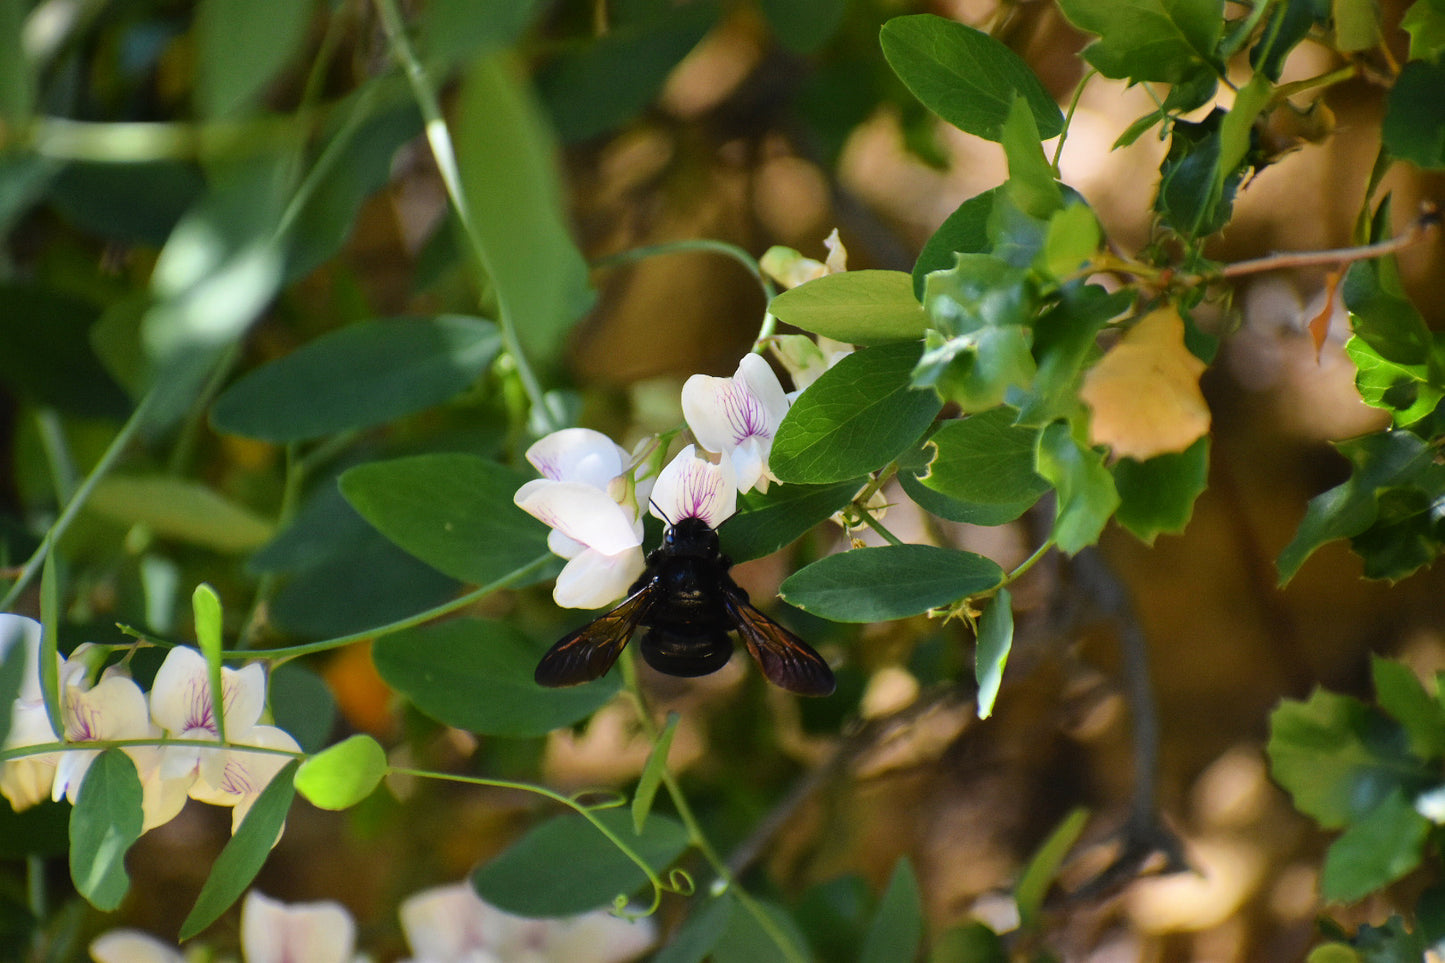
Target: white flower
(181, 705)
(115, 708)
(693, 487)
(451, 924)
(276, 932)
(737, 417)
(28, 780)
(132, 946)
(590, 502)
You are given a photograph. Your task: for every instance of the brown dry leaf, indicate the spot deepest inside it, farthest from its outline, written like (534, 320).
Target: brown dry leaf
(1320, 323)
(1145, 391)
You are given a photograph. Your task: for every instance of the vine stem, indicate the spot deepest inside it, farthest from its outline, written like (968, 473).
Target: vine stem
(72, 507)
(694, 830)
(439, 136)
(1418, 231)
(1069, 118)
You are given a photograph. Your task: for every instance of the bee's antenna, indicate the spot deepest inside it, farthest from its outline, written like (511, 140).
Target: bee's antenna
(660, 512)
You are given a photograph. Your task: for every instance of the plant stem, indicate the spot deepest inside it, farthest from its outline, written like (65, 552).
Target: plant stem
(688, 246)
(1069, 118)
(877, 526)
(1417, 232)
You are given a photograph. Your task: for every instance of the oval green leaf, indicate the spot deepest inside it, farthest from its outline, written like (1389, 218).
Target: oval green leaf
(890, 582)
(343, 775)
(452, 511)
(857, 307)
(861, 414)
(364, 374)
(965, 76)
(180, 509)
(766, 522)
(985, 459)
(106, 821)
(477, 675)
(995, 640)
(567, 866)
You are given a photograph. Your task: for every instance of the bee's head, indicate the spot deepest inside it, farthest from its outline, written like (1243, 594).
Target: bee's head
(691, 536)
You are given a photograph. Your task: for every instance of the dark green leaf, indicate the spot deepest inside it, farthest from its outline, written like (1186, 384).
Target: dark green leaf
(609, 79)
(1064, 342)
(856, 307)
(965, 231)
(1164, 40)
(766, 522)
(985, 458)
(1377, 849)
(240, 46)
(47, 356)
(1399, 692)
(897, 929)
(889, 582)
(454, 512)
(1086, 492)
(455, 30)
(242, 857)
(699, 933)
(856, 418)
(508, 166)
(965, 76)
(1338, 758)
(1380, 461)
(41, 830)
(804, 25)
(344, 774)
(1196, 194)
(567, 866)
(107, 819)
(361, 375)
(17, 86)
(972, 513)
(746, 941)
(1043, 867)
(181, 509)
(1381, 314)
(302, 704)
(477, 676)
(131, 203)
(995, 640)
(1157, 496)
(652, 773)
(970, 943)
(1288, 24)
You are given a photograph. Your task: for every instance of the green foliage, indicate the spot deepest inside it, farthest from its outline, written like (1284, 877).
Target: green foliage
(995, 640)
(1157, 496)
(859, 307)
(1164, 40)
(106, 821)
(889, 582)
(344, 774)
(766, 522)
(897, 930)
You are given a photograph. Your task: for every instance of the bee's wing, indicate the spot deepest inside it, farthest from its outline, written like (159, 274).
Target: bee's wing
(785, 659)
(589, 652)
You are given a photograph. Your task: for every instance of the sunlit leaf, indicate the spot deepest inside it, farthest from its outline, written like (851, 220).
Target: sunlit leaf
(1162, 40)
(995, 640)
(343, 775)
(106, 821)
(1379, 848)
(1086, 493)
(855, 307)
(181, 509)
(240, 45)
(888, 582)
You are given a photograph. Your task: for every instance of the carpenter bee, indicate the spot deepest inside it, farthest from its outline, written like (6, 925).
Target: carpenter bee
(689, 605)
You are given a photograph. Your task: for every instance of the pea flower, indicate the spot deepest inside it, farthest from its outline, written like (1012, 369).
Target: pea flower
(27, 780)
(181, 704)
(738, 417)
(451, 924)
(691, 486)
(271, 932)
(114, 708)
(590, 501)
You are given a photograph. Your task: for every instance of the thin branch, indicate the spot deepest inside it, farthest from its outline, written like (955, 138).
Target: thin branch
(1429, 218)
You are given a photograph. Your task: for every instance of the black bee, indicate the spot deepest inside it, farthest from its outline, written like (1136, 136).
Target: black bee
(689, 604)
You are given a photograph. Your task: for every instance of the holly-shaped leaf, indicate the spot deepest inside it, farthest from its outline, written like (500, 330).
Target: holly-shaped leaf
(1382, 846)
(1157, 496)
(1164, 40)
(1086, 493)
(1145, 392)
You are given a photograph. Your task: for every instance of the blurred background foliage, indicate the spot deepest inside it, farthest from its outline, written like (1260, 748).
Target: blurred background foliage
(188, 191)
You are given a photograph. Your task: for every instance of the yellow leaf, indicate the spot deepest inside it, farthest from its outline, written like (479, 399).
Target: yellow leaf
(1145, 391)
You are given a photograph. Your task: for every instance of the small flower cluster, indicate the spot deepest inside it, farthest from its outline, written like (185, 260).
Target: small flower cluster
(591, 490)
(446, 924)
(113, 707)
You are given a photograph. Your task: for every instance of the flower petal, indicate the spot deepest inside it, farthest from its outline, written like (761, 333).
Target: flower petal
(578, 454)
(593, 580)
(693, 487)
(275, 932)
(583, 513)
(18, 630)
(133, 946)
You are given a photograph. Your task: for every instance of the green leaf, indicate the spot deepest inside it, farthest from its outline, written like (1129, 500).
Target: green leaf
(1357, 24)
(1414, 126)
(888, 582)
(240, 46)
(362, 375)
(1030, 185)
(478, 676)
(985, 458)
(343, 775)
(181, 509)
(897, 929)
(1338, 758)
(699, 933)
(567, 866)
(1237, 128)
(1162, 40)
(804, 25)
(1196, 192)
(856, 307)
(1380, 461)
(995, 640)
(12, 675)
(1376, 850)
(1064, 343)
(1406, 391)
(452, 511)
(979, 370)
(766, 522)
(965, 231)
(745, 940)
(652, 773)
(1425, 23)
(17, 86)
(608, 80)
(302, 704)
(1086, 492)
(206, 610)
(969, 943)
(965, 76)
(106, 820)
(1399, 692)
(47, 356)
(455, 30)
(1157, 496)
(508, 168)
(50, 642)
(972, 513)
(1382, 315)
(857, 417)
(242, 857)
(1072, 239)
(1043, 867)
(980, 291)
(1289, 23)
